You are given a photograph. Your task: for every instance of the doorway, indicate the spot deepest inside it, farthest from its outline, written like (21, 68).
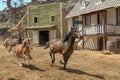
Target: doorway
(100, 44)
(43, 37)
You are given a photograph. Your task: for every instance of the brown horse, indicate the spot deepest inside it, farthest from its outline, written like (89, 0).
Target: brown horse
(23, 51)
(59, 46)
(10, 43)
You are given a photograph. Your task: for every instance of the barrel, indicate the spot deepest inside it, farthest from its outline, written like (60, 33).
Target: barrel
(112, 45)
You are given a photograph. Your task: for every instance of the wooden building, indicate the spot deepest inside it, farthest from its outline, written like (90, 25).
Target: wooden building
(43, 22)
(100, 23)
(46, 22)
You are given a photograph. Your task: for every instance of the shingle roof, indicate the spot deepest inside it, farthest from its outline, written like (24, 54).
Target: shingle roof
(92, 7)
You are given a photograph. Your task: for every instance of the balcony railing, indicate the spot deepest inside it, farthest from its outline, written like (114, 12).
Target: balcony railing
(99, 30)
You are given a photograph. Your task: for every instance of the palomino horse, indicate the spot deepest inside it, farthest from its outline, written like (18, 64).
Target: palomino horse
(23, 51)
(10, 43)
(58, 46)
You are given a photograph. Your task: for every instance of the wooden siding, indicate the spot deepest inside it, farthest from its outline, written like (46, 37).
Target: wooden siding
(94, 19)
(64, 23)
(43, 14)
(52, 34)
(35, 35)
(91, 43)
(111, 16)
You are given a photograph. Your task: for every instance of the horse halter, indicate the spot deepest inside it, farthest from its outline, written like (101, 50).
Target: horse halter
(73, 32)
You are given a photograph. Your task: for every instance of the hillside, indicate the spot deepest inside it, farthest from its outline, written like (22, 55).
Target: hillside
(10, 17)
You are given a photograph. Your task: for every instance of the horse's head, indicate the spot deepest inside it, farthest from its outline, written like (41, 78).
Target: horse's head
(74, 33)
(27, 43)
(7, 42)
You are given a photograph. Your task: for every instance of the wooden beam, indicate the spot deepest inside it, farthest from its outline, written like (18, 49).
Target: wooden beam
(92, 13)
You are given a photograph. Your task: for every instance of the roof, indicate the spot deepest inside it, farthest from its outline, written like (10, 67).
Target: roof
(40, 27)
(92, 7)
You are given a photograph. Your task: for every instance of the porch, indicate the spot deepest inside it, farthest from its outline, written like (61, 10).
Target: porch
(109, 29)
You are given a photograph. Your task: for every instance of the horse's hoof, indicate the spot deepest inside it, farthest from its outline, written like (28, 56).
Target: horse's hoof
(61, 62)
(64, 69)
(20, 64)
(51, 65)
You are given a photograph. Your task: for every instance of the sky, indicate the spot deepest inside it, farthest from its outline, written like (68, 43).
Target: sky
(3, 4)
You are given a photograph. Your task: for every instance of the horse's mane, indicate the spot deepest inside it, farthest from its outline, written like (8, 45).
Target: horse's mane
(65, 37)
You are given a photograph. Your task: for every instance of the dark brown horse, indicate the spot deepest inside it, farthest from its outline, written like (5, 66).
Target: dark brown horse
(65, 46)
(23, 50)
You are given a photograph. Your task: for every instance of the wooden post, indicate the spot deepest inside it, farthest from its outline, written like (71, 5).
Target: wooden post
(105, 29)
(83, 24)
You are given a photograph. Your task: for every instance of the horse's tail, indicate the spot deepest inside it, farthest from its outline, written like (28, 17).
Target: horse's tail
(47, 45)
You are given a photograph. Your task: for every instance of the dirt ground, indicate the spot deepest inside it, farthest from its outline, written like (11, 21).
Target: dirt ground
(82, 65)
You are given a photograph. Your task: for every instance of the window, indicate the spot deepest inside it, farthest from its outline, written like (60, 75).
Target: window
(83, 4)
(52, 18)
(88, 20)
(35, 19)
(77, 23)
(99, 1)
(118, 16)
(74, 20)
(24, 24)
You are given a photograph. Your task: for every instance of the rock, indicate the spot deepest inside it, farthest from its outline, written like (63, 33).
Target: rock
(106, 52)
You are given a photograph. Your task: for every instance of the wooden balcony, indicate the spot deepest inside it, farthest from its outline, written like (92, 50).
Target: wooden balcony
(99, 30)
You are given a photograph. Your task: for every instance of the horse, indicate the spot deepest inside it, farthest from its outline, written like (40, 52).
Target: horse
(59, 46)
(10, 43)
(22, 51)
(6, 43)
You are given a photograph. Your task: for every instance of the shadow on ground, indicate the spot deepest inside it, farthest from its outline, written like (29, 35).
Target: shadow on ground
(32, 67)
(75, 71)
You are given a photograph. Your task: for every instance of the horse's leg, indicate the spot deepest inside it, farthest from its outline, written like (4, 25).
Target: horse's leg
(13, 53)
(19, 61)
(65, 61)
(51, 57)
(10, 48)
(53, 60)
(66, 57)
(61, 60)
(27, 59)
